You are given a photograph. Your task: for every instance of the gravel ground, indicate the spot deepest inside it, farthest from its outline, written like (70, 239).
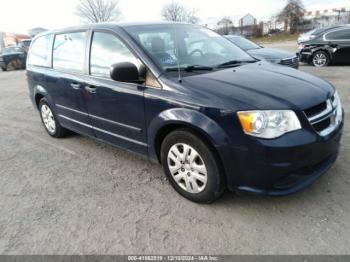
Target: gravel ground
(78, 196)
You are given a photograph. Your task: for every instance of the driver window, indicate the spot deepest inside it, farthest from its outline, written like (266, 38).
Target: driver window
(161, 45)
(106, 50)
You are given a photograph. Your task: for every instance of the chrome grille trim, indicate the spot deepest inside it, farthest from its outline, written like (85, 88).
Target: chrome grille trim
(329, 114)
(324, 114)
(292, 61)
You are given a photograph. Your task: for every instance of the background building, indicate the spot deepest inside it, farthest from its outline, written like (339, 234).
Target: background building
(10, 39)
(247, 20)
(327, 17)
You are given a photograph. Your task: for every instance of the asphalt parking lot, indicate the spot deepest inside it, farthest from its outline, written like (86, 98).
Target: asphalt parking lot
(79, 196)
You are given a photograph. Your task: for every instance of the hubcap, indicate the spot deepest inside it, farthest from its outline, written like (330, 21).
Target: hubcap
(187, 168)
(49, 120)
(320, 60)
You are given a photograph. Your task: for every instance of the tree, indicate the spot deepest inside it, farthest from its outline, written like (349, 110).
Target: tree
(178, 13)
(96, 11)
(292, 13)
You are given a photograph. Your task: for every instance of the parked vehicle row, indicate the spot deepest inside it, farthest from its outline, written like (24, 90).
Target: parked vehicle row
(272, 55)
(13, 58)
(13, 51)
(326, 46)
(185, 97)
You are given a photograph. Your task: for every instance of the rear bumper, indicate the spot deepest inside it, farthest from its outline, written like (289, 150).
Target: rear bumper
(281, 166)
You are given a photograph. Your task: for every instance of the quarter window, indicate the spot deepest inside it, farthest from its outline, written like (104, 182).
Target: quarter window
(69, 52)
(106, 50)
(339, 35)
(40, 51)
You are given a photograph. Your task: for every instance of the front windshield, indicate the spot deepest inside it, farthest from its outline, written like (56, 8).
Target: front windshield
(178, 45)
(243, 43)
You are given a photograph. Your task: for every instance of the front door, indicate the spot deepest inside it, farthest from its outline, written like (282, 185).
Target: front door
(116, 109)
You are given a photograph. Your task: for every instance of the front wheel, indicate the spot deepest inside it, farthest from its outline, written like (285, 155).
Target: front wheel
(192, 167)
(320, 59)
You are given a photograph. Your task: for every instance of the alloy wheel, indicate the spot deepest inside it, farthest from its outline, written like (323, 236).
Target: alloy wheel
(320, 60)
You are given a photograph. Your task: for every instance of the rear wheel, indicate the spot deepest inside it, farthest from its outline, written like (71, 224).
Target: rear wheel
(320, 59)
(49, 120)
(191, 167)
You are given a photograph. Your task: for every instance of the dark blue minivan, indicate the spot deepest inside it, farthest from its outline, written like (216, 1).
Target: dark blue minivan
(185, 97)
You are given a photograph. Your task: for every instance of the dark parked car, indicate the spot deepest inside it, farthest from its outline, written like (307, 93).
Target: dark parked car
(25, 44)
(13, 58)
(272, 55)
(331, 46)
(181, 95)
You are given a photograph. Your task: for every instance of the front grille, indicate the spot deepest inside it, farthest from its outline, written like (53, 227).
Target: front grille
(324, 124)
(291, 62)
(316, 109)
(323, 117)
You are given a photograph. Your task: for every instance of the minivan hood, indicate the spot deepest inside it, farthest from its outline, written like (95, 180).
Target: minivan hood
(261, 85)
(270, 53)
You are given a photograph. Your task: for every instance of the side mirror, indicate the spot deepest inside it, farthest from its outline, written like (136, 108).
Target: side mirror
(125, 72)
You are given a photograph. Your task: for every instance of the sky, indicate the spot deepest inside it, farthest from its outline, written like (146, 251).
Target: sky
(21, 15)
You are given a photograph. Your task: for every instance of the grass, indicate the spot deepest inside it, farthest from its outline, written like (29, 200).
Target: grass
(275, 38)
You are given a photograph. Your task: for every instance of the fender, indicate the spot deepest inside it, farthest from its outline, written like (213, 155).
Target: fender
(40, 90)
(188, 117)
(330, 50)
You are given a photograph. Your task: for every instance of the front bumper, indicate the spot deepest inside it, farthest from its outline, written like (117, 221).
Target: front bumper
(284, 165)
(304, 56)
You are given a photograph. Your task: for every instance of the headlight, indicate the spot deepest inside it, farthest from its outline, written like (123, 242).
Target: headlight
(268, 124)
(301, 46)
(275, 61)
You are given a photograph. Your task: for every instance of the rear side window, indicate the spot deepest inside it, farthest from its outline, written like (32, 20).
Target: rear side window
(339, 35)
(40, 51)
(69, 52)
(106, 50)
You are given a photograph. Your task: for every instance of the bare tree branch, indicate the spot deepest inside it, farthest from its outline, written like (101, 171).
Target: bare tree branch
(293, 14)
(95, 11)
(178, 13)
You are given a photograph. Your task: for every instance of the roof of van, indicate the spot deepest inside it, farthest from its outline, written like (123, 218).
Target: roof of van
(110, 25)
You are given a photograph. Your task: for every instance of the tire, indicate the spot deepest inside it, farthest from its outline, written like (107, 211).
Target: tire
(49, 120)
(4, 69)
(199, 179)
(320, 59)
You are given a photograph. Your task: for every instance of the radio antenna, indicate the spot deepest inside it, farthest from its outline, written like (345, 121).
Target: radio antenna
(177, 55)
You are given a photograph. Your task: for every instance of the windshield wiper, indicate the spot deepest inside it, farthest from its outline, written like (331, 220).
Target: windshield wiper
(233, 63)
(191, 68)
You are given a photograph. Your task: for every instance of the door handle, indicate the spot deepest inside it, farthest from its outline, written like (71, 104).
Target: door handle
(90, 89)
(75, 86)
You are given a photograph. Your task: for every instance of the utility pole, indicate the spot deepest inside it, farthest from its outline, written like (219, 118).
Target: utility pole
(339, 11)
